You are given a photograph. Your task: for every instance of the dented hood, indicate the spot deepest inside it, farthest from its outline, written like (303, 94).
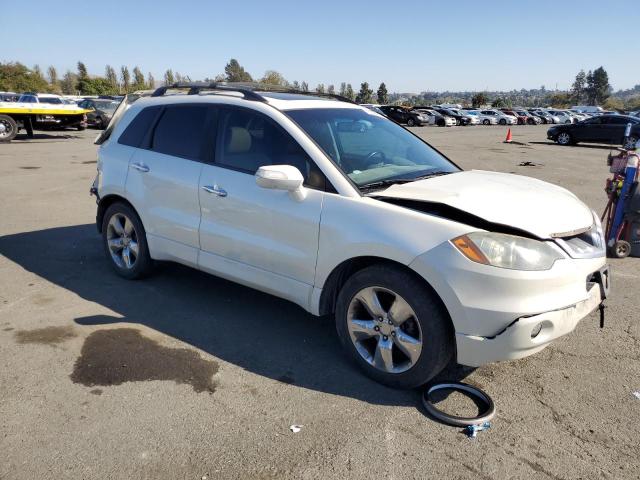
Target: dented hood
(539, 208)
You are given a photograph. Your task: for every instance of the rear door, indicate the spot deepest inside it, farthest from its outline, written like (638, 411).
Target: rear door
(162, 183)
(616, 126)
(262, 238)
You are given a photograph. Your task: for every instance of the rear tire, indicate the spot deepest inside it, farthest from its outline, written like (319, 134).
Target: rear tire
(125, 242)
(418, 323)
(486, 122)
(630, 143)
(8, 128)
(411, 122)
(503, 121)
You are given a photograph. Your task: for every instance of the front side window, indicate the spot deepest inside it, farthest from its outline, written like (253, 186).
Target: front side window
(181, 131)
(248, 140)
(369, 148)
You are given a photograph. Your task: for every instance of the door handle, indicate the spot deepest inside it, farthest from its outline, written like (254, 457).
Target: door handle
(215, 190)
(140, 167)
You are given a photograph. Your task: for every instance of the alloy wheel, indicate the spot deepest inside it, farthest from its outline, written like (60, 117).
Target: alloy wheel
(564, 138)
(122, 240)
(384, 329)
(630, 143)
(6, 129)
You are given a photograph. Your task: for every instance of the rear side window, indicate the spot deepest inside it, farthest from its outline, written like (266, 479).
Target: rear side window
(181, 131)
(136, 131)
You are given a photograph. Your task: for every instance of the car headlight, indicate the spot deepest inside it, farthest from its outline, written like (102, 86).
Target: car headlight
(507, 251)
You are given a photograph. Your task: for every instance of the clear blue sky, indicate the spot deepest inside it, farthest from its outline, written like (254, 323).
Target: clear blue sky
(410, 45)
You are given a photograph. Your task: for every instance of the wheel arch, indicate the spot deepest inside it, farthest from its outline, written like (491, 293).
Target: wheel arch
(105, 202)
(342, 272)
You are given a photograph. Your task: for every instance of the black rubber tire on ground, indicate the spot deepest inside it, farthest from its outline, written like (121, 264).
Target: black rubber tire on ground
(531, 121)
(81, 127)
(11, 128)
(630, 143)
(438, 337)
(564, 138)
(441, 122)
(99, 123)
(502, 121)
(486, 121)
(411, 122)
(621, 249)
(144, 264)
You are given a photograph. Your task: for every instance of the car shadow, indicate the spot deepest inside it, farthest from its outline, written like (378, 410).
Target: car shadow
(582, 145)
(255, 331)
(62, 135)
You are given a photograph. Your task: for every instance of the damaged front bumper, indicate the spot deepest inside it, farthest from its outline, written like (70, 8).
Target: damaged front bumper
(527, 335)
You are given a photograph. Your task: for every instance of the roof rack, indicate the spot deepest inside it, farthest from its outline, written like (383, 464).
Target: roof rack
(248, 90)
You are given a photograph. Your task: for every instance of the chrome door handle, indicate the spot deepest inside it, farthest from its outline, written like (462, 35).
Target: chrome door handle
(140, 167)
(215, 190)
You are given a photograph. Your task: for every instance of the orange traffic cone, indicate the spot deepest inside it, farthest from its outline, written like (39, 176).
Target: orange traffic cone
(508, 139)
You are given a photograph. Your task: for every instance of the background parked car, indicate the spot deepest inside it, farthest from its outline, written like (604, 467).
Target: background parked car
(522, 119)
(102, 111)
(563, 117)
(9, 97)
(459, 118)
(600, 129)
(41, 98)
(436, 118)
(402, 115)
(529, 119)
(482, 118)
(543, 116)
(501, 117)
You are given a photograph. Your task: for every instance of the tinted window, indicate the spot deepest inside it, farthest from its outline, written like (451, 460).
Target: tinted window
(249, 140)
(620, 120)
(180, 131)
(135, 133)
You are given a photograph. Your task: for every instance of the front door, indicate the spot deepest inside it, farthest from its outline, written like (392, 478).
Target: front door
(262, 238)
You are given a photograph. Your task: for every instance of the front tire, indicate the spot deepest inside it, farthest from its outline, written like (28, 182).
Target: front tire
(411, 122)
(394, 327)
(486, 122)
(125, 242)
(564, 139)
(503, 121)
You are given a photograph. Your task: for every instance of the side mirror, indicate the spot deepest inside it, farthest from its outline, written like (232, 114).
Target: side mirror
(282, 177)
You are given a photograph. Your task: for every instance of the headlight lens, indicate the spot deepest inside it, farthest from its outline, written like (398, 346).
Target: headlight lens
(507, 251)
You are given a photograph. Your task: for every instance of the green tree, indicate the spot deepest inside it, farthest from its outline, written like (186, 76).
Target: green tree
(320, 88)
(236, 73)
(168, 77)
(151, 82)
(15, 77)
(613, 103)
(125, 78)
(349, 93)
(304, 87)
(365, 93)
(112, 77)
(343, 89)
(82, 71)
(68, 83)
(138, 79)
(578, 88)
(560, 99)
(479, 99)
(98, 86)
(331, 89)
(271, 77)
(83, 78)
(383, 95)
(598, 88)
(295, 85)
(499, 103)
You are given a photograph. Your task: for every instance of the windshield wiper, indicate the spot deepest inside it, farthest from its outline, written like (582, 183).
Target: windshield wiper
(394, 181)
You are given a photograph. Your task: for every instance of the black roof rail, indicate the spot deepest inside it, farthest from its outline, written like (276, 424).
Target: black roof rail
(250, 91)
(195, 88)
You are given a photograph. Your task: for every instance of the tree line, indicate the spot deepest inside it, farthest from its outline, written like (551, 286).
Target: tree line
(591, 87)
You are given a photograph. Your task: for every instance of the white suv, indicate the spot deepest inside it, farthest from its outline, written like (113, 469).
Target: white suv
(344, 212)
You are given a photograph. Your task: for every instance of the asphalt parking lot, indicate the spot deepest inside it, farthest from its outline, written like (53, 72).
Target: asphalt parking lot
(186, 376)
